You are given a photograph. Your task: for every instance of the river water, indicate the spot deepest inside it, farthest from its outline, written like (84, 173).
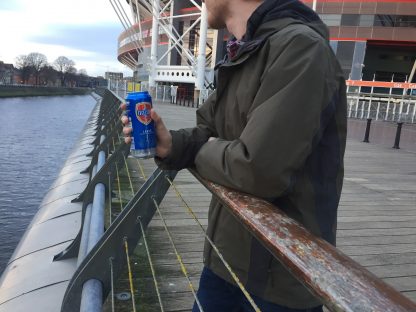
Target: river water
(36, 135)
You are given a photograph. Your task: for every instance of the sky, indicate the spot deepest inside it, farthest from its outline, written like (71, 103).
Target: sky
(85, 31)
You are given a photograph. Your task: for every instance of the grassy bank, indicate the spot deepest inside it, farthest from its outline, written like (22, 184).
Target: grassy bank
(22, 91)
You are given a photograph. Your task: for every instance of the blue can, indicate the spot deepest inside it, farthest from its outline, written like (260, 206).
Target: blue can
(143, 143)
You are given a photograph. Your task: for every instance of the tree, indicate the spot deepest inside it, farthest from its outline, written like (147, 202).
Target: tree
(49, 75)
(37, 61)
(71, 76)
(22, 63)
(64, 66)
(82, 72)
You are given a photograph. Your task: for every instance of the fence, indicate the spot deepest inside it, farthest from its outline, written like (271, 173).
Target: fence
(387, 107)
(339, 282)
(171, 94)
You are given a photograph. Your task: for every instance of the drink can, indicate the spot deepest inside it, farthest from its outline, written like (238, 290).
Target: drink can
(143, 143)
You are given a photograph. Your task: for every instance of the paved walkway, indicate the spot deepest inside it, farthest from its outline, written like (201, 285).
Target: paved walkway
(376, 225)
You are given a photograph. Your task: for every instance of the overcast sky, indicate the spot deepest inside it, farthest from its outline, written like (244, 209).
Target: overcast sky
(85, 31)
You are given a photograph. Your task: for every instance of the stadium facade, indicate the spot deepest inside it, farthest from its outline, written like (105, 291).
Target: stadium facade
(372, 39)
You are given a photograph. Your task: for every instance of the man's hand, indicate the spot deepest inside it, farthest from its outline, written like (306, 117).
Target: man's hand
(164, 138)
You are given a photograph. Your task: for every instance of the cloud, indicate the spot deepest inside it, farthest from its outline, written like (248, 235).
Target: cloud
(85, 31)
(100, 39)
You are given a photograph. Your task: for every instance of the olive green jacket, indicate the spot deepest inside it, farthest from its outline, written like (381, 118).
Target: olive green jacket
(279, 119)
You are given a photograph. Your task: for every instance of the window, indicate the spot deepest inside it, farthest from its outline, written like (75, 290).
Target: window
(405, 21)
(384, 20)
(331, 19)
(366, 20)
(350, 19)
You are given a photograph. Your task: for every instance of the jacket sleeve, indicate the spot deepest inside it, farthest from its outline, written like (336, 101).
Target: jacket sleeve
(187, 142)
(281, 128)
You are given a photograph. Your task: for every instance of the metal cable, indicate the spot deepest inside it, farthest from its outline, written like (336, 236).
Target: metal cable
(109, 198)
(128, 175)
(126, 247)
(151, 267)
(118, 183)
(141, 169)
(112, 284)
(178, 256)
(127, 169)
(227, 266)
(110, 190)
(146, 246)
(119, 189)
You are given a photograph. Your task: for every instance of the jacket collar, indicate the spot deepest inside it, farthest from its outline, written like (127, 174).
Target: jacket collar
(249, 48)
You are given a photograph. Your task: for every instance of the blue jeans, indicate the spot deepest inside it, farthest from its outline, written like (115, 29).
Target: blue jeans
(217, 295)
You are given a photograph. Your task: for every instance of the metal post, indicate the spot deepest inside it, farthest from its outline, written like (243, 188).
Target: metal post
(398, 133)
(92, 292)
(367, 131)
(84, 237)
(358, 102)
(362, 110)
(153, 50)
(407, 110)
(371, 97)
(414, 112)
(387, 109)
(200, 72)
(378, 110)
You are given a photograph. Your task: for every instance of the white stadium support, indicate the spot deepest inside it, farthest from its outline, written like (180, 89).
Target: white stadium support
(162, 12)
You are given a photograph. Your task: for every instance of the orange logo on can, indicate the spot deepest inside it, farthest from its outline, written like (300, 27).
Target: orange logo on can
(143, 113)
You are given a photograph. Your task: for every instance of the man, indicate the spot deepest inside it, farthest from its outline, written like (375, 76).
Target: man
(274, 128)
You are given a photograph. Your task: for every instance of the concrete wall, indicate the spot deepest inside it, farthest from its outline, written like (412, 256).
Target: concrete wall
(19, 91)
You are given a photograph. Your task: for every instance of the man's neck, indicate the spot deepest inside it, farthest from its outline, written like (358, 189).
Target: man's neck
(240, 12)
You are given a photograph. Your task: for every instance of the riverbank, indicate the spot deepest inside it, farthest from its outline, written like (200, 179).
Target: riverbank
(24, 91)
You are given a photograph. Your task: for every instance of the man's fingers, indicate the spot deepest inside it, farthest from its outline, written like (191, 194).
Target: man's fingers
(123, 106)
(155, 116)
(160, 126)
(127, 130)
(127, 140)
(124, 120)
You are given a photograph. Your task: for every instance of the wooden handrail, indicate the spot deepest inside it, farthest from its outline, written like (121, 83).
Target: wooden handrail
(337, 280)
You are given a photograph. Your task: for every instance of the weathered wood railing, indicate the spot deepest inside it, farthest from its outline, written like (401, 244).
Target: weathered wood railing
(337, 280)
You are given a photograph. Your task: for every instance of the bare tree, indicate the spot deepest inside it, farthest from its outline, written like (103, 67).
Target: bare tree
(82, 72)
(49, 75)
(37, 61)
(64, 66)
(22, 63)
(71, 76)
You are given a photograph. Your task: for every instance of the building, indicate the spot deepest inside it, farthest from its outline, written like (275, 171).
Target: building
(372, 39)
(7, 73)
(113, 76)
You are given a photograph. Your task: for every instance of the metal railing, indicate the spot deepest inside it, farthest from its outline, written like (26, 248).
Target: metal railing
(165, 93)
(339, 282)
(101, 253)
(387, 107)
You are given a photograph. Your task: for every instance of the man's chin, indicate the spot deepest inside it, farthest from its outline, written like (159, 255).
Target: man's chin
(216, 24)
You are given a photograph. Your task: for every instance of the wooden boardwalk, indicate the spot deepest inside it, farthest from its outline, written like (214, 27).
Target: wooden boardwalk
(376, 223)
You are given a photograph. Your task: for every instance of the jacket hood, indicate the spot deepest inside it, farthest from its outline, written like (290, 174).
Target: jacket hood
(271, 10)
